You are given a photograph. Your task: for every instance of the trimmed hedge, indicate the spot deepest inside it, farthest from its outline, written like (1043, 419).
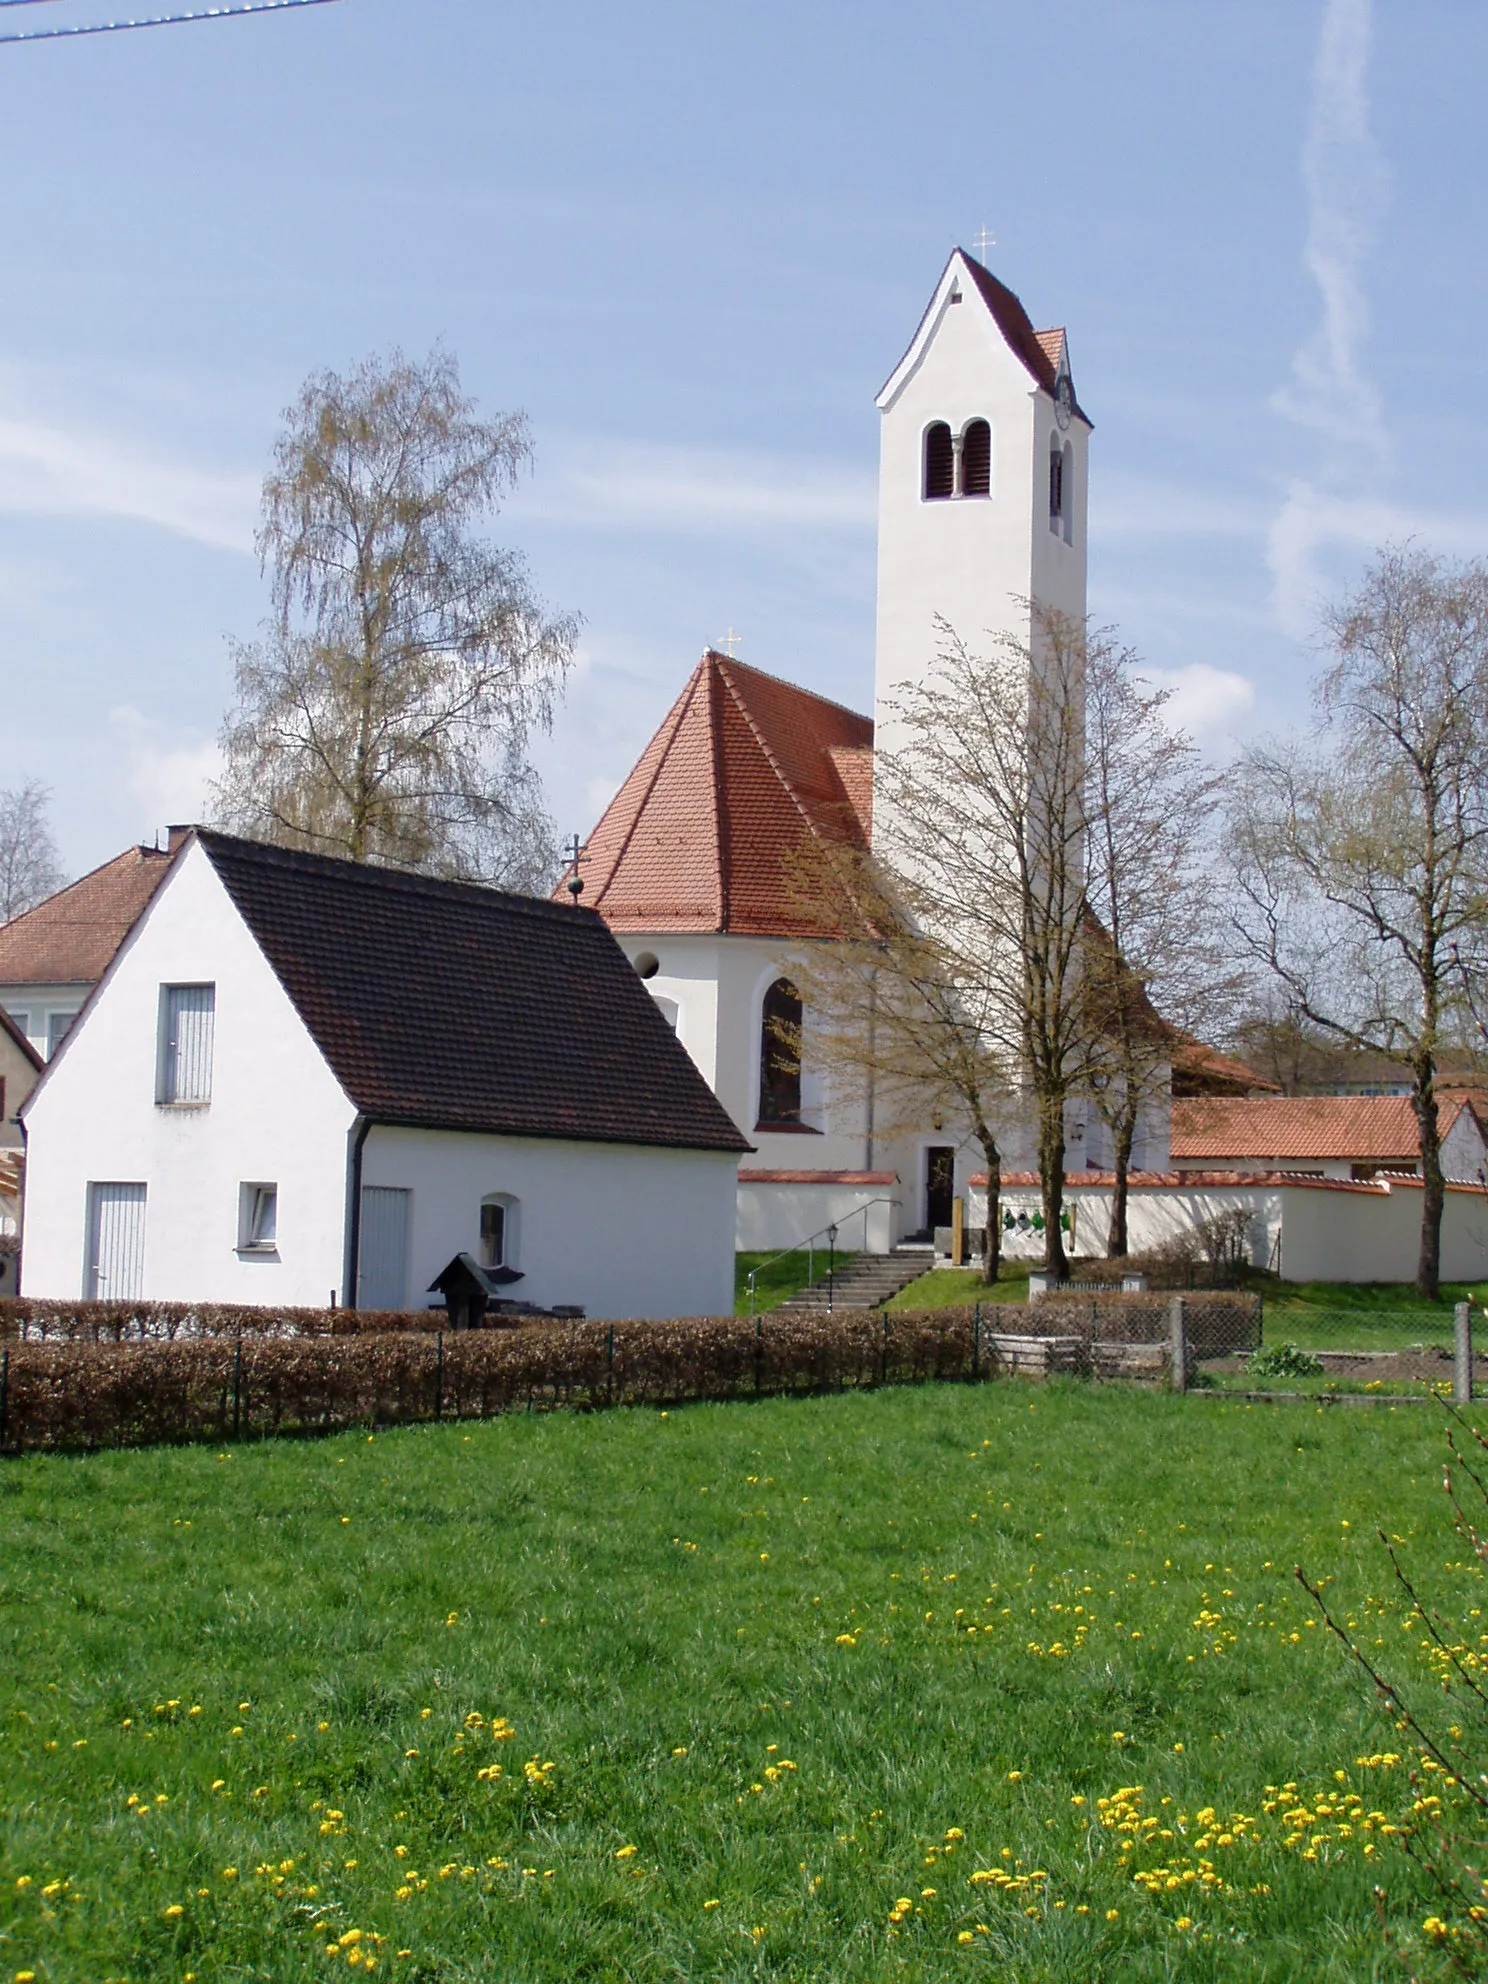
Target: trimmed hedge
(78, 1376)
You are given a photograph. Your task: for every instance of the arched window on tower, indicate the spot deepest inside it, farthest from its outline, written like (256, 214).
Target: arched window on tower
(1056, 486)
(940, 463)
(780, 1054)
(976, 459)
(1067, 485)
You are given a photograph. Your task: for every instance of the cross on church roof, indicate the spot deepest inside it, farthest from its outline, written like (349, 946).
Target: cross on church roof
(731, 643)
(985, 240)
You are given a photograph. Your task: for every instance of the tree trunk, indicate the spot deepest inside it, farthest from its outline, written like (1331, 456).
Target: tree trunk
(1051, 1184)
(1434, 1194)
(1125, 1128)
(992, 1241)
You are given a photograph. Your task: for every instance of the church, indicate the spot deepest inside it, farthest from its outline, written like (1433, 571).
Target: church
(983, 479)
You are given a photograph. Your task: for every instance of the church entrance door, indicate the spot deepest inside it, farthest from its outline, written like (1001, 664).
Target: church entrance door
(940, 1185)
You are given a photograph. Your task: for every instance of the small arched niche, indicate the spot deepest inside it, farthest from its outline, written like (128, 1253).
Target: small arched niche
(500, 1235)
(780, 1055)
(1067, 481)
(1056, 486)
(976, 459)
(940, 463)
(647, 964)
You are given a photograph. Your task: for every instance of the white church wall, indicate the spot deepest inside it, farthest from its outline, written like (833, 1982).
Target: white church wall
(276, 1116)
(774, 1215)
(619, 1230)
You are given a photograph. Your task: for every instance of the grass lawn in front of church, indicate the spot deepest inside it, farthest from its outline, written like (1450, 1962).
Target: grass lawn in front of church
(853, 1688)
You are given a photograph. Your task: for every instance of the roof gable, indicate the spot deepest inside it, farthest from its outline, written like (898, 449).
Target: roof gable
(1044, 355)
(447, 1006)
(744, 769)
(71, 938)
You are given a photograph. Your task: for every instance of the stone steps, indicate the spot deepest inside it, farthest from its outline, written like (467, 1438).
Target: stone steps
(865, 1281)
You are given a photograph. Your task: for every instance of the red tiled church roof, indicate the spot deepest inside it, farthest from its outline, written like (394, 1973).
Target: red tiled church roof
(71, 938)
(1377, 1128)
(744, 770)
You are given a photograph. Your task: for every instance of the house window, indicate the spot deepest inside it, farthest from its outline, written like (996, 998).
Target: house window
(1056, 487)
(780, 1055)
(976, 459)
(187, 1013)
(258, 1219)
(58, 1027)
(940, 463)
(22, 1023)
(498, 1231)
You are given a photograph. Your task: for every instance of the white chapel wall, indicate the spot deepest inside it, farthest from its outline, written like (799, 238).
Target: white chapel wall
(277, 1115)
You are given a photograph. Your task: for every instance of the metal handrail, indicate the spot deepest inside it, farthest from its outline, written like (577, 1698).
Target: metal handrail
(829, 1234)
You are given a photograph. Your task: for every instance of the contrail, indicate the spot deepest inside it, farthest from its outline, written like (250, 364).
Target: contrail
(154, 21)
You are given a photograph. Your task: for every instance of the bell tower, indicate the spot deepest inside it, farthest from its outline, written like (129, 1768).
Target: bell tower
(982, 482)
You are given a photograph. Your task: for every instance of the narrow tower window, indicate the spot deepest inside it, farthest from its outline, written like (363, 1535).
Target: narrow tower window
(1056, 487)
(780, 1053)
(940, 463)
(976, 459)
(1067, 483)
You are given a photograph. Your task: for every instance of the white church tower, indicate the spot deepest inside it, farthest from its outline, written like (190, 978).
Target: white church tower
(982, 482)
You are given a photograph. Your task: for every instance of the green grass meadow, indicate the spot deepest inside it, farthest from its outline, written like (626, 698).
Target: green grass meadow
(820, 1689)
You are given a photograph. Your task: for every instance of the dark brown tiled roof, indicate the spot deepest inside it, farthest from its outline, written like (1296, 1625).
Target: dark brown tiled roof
(744, 770)
(71, 938)
(446, 1006)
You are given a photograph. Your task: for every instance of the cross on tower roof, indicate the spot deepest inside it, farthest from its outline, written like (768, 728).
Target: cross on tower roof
(985, 240)
(731, 643)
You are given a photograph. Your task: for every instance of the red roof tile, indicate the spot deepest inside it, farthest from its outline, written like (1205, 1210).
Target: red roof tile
(744, 769)
(71, 938)
(1361, 1128)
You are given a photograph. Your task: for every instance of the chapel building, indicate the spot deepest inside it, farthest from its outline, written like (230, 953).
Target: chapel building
(983, 472)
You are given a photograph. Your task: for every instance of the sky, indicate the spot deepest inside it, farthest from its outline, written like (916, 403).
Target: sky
(692, 243)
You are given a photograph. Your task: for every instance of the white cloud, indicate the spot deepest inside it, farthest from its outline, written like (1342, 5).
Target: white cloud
(1139, 506)
(1346, 183)
(165, 770)
(1313, 521)
(52, 469)
(630, 487)
(1211, 704)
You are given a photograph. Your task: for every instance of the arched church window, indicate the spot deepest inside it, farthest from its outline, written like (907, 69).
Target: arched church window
(1056, 486)
(976, 459)
(1067, 485)
(940, 463)
(780, 1054)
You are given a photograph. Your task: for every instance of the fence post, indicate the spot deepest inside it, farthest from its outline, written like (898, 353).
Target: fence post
(439, 1375)
(759, 1351)
(1178, 1344)
(4, 1391)
(238, 1389)
(1462, 1359)
(883, 1352)
(976, 1341)
(610, 1366)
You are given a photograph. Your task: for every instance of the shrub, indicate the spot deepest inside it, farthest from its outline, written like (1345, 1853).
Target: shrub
(1283, 1360)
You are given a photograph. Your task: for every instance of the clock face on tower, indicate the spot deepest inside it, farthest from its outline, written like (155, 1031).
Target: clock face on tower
(1064, 400)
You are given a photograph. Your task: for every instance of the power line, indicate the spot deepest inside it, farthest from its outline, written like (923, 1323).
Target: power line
(155, 21)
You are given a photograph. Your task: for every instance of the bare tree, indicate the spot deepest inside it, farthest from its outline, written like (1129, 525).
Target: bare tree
(979, 816)
(30, 869)
(897, 1024)
(1150, 806)
(1363, 864)
(387, 713)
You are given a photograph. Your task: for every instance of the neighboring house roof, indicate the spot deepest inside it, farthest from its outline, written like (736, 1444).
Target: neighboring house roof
(71, 938)
(1377, 1129)
(19, 1041)
(1200, 1070)
(744, 770)
(448, 1006)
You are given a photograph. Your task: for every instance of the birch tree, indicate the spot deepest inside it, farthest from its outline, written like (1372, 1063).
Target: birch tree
(30, 869)
(386, 714)
(1362, 860)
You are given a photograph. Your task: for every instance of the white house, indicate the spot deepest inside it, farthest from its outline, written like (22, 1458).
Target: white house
(1357, 1137)
(303, 1081)
(982, 506)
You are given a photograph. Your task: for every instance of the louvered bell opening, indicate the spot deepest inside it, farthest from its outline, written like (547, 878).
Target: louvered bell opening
(940, 463)
(976, 459)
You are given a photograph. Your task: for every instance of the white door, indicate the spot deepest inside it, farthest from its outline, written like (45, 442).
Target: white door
(114, 1270)
(382, 1264)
